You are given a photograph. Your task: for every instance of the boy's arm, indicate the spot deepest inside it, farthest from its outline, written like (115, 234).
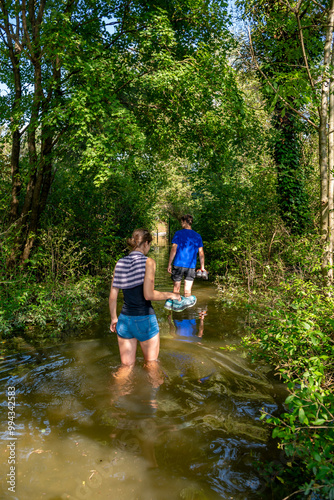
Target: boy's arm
(201, 258)
(171, 257)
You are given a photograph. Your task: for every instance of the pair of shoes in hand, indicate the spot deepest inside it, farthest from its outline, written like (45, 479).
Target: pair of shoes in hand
(202, 274)
(180, 305)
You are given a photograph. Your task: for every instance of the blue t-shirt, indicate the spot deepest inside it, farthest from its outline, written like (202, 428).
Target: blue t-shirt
(188, 242)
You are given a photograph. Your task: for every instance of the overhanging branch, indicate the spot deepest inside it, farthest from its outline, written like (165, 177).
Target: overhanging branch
(273, 88)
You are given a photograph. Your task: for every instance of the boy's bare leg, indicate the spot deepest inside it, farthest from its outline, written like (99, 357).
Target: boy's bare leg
(177, 286)
(187, 287)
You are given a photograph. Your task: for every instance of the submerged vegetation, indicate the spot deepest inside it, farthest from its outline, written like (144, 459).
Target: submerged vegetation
(118, 115)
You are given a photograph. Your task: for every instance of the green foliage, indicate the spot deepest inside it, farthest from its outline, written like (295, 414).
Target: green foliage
(277, 46)
(150, 120)
(53, 295)
(97, 217)
(87, 93)
(293, 202)
(297, 337)
(291, 98)
(47, 309)
(217, 172)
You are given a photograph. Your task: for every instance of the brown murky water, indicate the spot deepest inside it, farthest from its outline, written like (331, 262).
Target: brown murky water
(197, 436)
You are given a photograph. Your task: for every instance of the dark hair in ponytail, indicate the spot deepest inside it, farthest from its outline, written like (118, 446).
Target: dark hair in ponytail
(139, 236)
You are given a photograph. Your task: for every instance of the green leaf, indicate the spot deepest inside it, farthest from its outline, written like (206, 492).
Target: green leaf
(301, 415)
(319, 421)
(275, 432)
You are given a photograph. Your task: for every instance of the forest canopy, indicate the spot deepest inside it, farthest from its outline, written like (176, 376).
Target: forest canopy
(122, 114)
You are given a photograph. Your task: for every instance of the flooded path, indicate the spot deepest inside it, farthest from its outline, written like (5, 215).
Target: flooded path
(197, 436)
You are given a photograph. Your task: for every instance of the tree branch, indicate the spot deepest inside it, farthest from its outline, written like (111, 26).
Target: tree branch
(301, 38)
(9, 43)
(127, 5)
(287, 4)
(292, 494)
(273, 88)
(40, 12)
(319, 5)
(4, 39)
(300, 491)
(21, 132)
(25, 29)
(298, 5)
(17, 21)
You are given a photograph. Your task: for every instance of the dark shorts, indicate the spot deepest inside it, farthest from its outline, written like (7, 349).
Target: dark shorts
(183, 272)
(137, 327)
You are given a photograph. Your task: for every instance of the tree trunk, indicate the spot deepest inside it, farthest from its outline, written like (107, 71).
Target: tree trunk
(323, 146)
(331, 176)
(14, 53)
(15, 174)
(41, 190)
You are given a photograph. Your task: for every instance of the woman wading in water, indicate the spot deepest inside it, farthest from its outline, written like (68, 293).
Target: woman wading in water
(134, 274)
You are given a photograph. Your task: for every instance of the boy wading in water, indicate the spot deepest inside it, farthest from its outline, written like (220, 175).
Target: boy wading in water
(186, 243)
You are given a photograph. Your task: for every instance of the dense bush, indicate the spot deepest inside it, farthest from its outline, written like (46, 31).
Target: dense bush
(51, 308)
(294, 333)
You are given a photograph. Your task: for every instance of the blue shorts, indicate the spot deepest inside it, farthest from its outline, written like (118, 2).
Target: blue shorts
(137, 327)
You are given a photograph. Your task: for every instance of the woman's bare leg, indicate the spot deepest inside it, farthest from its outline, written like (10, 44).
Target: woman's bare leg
(122, 382)
(150, 350)
(127, 350)
(122, 378)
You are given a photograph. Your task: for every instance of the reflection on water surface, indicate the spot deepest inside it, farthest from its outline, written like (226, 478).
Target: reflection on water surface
(82, 435)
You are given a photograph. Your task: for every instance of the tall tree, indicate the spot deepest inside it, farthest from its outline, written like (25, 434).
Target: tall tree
(303, 89)
(275, 41)
(69, 76)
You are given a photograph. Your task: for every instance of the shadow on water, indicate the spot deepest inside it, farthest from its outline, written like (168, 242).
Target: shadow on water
(81, 434)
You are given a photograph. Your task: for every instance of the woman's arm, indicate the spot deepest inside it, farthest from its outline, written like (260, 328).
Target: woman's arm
(149, 292)
(113, 306)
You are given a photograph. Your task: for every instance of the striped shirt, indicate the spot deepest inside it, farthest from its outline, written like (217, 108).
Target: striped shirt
(130, 271)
